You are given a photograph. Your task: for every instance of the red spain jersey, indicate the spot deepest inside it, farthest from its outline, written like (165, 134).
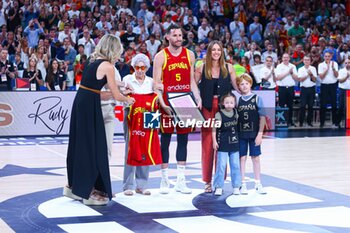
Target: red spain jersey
(176, 72)
(176, 78)
(144, 146)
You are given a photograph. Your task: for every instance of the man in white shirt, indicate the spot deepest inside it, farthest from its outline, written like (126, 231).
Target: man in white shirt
(138, 29)
(87, 41)
(67, 33)
(152, 45)
(204, 30)
(286, 75)
(103, 24)
(73, 11)
(252, 51)
(344, 85)
(188, 14)
(268, 74)
(125, 8)
(307, 75)
(168, 22)
(270, 53)
(328, 72)
(344, 54)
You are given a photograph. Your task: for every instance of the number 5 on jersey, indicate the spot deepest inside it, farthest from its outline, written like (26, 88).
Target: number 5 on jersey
(178, 77)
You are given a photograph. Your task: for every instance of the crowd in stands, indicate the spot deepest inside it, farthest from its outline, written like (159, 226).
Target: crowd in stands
(48, 42)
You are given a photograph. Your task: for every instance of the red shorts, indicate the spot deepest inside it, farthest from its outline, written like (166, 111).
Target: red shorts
(167, 125)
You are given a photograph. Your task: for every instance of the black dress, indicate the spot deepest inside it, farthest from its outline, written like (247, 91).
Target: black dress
(87, 158)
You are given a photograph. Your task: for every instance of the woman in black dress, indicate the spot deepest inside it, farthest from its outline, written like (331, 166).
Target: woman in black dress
(87, 158)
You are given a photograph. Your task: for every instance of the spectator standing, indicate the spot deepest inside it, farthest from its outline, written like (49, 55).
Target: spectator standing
(88, 42)
(33, 33)
(297, 31)
(256, 31)
(236, 28)
(152, 46)
(69, 58)
(67, 33)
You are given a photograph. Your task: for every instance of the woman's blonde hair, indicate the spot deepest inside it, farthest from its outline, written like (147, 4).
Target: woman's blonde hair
(209, 60)
(109, 47)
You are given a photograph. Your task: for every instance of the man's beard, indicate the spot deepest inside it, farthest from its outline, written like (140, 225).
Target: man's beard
(175, 46)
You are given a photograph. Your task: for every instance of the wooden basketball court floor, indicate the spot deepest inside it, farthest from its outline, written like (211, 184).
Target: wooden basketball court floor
(306, 175)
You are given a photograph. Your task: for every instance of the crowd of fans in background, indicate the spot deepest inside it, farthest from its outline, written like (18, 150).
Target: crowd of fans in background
(48, 42)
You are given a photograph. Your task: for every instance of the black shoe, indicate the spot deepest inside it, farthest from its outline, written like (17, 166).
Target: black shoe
(310, 125)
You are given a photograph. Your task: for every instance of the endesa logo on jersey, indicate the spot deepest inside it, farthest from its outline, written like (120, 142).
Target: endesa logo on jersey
(179, 87)
(6, 117)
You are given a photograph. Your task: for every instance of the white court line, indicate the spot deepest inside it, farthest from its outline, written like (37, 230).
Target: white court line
(52, 151)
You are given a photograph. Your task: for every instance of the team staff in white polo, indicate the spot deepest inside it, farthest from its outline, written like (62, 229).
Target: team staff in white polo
(307, 75)
(328, 72)
(344, 85)
(286, 75)
(268, 74)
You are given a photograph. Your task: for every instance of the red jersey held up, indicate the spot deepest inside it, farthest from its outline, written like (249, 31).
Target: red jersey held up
(144, 146)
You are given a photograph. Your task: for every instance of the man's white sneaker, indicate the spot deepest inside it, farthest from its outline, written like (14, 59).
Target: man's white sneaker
(164, 186)
(243, 190)
(181, 187)
(260, 189)
(218, 192)
(236, 191)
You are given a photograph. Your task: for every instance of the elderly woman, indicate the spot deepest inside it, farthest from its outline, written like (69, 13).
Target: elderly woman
(141, 84)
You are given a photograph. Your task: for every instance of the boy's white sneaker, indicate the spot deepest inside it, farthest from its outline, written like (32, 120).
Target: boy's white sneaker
(236, 191)
(260, 189)
(243, 190)
(218, 192)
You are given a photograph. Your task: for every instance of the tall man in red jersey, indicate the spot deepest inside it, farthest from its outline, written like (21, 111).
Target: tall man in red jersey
(174, 68)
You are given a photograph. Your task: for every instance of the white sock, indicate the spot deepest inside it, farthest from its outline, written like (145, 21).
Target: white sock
(181, 171)
(165, 173)
(257, 182)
